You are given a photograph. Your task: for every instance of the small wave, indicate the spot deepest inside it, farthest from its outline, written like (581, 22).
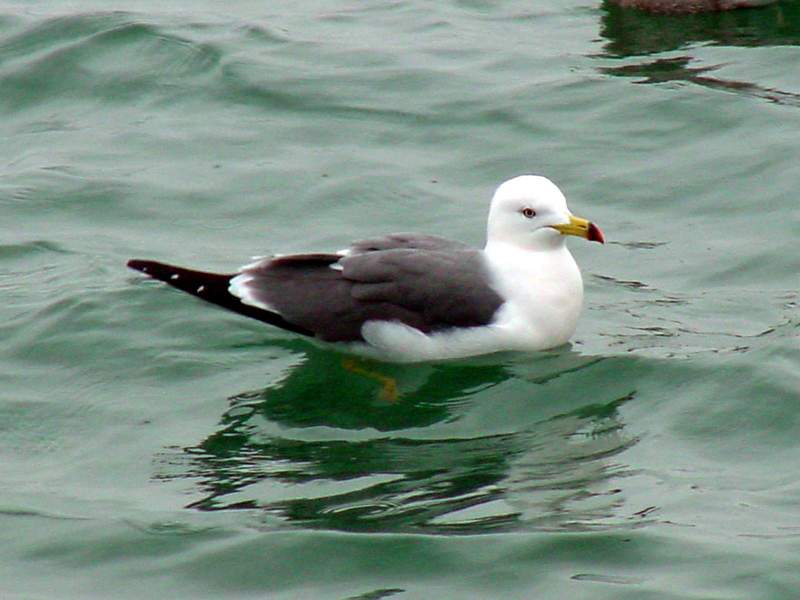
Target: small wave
(33, 247)
(109, 56)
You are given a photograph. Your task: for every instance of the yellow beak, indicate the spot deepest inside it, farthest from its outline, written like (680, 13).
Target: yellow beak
(581, 228)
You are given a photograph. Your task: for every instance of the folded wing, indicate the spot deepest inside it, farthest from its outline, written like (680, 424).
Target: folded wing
(426, 282)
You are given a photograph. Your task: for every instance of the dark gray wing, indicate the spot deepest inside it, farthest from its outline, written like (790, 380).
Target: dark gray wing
(429, 290)
(426, 282)
(445, 288)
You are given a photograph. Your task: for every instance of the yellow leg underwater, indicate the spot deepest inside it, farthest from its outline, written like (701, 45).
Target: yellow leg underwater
(388, 392)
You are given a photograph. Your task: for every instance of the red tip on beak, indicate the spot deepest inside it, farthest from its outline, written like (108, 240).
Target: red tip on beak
(595, 234)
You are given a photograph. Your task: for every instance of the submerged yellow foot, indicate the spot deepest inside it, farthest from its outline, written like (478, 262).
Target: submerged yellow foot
(389, 391)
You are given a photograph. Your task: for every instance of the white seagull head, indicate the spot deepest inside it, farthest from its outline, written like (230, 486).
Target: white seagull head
(530, 211)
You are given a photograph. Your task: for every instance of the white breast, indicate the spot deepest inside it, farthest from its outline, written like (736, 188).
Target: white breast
(544, 292)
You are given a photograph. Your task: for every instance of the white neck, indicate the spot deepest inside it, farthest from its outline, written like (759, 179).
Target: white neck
(545, 239)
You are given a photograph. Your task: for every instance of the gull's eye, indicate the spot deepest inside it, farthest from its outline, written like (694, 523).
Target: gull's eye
(528, 213)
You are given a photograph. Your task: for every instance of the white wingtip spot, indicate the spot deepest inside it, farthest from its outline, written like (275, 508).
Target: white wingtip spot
(174, 276)
(200, 289)
(337, 266)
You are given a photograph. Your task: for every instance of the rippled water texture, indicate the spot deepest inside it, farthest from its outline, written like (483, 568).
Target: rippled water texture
(152, 446)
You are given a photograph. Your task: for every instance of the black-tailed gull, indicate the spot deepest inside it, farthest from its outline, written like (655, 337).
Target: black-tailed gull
(410, 297)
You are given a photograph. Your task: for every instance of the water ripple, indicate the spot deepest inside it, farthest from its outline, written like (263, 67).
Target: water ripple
(545, 473)
(109, 56)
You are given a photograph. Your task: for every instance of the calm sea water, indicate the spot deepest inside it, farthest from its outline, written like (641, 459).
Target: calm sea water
(152, 446)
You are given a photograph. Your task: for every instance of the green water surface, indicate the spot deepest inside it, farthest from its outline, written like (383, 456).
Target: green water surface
(152, 446)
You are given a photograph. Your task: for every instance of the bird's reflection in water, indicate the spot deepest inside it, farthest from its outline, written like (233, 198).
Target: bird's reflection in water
(633, 33)
(469, 448)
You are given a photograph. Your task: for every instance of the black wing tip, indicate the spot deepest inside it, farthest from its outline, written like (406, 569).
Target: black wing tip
(213, 288)
(139, 265)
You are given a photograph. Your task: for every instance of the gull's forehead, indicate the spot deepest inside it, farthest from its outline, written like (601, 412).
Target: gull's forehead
(533, 188)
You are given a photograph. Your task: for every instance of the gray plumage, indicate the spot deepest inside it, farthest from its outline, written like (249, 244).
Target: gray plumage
(427, 282)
